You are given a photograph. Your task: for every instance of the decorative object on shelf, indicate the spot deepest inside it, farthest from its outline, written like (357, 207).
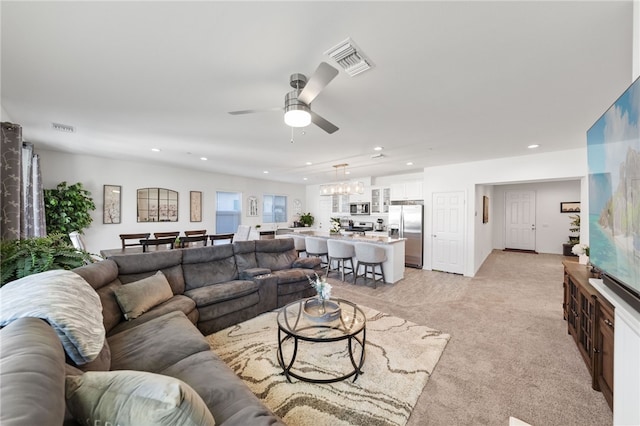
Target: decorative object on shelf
(343, 187)
(570, 207)
(306, 219)
(574, 228)
(582, 251)
(335, 225)
(112, 200)
(252, 202)
(195, 206)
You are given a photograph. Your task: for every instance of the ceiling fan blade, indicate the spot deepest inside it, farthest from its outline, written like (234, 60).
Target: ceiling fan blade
(318, 81)
(325, 125)
(251, 111)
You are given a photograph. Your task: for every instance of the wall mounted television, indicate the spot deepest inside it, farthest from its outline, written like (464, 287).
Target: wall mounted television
(613, 150)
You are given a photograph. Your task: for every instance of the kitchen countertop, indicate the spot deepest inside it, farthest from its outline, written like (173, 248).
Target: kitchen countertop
(376, 239)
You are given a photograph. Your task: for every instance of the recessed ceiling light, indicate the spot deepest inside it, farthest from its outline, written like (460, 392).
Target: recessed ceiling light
(378, 148)
(533, 146)
(308, 163)
(410, 163)
(203, 158)
(155, 149)
(304, 178)
(265, 172)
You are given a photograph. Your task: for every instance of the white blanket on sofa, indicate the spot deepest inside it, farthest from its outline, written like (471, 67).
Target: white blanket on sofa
(66, 301)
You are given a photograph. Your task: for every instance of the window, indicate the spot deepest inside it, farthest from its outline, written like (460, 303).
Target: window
(228, 212)
(274, 208)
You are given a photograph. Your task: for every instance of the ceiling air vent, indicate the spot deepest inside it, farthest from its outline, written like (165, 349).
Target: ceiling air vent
(350, 57)
(63, 127)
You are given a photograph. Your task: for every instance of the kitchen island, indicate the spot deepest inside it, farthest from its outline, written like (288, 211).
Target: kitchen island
(393, 247)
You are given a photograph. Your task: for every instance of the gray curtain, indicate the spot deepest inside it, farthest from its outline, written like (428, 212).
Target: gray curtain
(21, 195)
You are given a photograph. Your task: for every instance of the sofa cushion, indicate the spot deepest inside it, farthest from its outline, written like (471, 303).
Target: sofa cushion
(138, 266)
(98, 274)
(179, 303)
(204, 266)
(101, 363)
(230, 400)
(275, 254)
(66, 301)
(294, 275)
(140, 296)
(221, 292)
(245, 254)
(156, 344)
(134, 398)
(31, 373)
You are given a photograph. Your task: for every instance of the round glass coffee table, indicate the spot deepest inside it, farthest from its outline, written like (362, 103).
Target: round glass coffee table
(313, 335)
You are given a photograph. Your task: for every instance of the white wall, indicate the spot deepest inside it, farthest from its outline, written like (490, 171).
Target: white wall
(94, 172)
(552, 227)
(4, 116)
(559, 165)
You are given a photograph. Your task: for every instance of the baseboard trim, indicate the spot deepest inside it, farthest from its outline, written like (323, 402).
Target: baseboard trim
(521, 251)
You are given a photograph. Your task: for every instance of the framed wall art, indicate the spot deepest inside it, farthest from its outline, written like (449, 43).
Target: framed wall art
(485, 209)
(252, 203)
(196, 206)
(570, 207)
(112, 200)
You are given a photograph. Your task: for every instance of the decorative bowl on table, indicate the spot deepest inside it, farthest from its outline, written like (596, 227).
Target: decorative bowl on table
(319, 310)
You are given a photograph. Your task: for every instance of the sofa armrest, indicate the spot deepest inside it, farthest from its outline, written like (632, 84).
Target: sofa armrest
(251, 273)
(306, 262)
(268, 292)
(32, 370)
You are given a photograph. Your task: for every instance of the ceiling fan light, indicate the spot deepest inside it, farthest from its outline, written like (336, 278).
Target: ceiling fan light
(297, 118)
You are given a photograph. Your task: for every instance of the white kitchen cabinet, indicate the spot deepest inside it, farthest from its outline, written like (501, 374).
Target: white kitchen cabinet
(380, 199)
(340, 204)
(407, 191)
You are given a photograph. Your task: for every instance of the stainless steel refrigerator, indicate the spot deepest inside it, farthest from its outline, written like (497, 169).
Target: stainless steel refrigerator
(406, 221)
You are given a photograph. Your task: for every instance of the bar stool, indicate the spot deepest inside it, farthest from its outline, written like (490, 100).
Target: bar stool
(317, 247)
(299, 244)
(370, 255)
(341, 252)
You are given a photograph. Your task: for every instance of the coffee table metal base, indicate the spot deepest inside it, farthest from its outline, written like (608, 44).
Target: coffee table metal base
(352, 340)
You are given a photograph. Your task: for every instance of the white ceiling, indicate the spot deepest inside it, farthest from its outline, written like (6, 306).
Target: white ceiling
(452, 81)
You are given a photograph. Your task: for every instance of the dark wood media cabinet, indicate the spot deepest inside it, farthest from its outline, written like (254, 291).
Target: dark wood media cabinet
(590, 320)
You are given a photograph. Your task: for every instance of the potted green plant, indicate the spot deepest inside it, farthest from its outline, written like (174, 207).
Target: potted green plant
(20, 258)
(306, 219)
(67, 208)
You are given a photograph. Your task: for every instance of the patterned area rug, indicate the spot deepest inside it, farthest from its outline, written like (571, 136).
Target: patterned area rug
(400, 357)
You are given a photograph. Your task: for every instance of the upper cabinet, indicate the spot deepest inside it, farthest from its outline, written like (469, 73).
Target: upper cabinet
(407, 191)
(380, 200)
(340, 204)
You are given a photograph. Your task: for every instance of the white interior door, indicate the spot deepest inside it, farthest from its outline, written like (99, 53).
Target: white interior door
(520, 220)
(448, 232)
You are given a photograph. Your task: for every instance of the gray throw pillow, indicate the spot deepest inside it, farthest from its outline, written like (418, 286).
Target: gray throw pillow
(127, 397)
(138, 297)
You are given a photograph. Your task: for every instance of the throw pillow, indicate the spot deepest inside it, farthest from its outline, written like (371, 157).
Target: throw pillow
(138, 297)
(66, 301)
(127, 397)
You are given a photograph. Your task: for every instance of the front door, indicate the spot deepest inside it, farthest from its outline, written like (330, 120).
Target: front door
(520, 220)
(448, 232)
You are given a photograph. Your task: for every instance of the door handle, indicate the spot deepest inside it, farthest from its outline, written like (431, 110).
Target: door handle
(533, 226)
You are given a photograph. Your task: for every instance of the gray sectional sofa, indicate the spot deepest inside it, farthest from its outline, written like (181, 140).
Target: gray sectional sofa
(209, 288)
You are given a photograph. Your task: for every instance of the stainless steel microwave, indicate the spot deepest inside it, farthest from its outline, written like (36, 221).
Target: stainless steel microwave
(360, 208)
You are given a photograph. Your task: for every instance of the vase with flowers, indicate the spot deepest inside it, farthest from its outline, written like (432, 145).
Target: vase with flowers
(320, 308)
(335, 225)
(582, 251)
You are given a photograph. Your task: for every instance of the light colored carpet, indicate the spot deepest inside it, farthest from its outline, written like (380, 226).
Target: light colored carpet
(400, 357)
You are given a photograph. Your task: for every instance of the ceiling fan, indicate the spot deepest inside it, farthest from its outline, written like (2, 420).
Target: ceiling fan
(297, 111)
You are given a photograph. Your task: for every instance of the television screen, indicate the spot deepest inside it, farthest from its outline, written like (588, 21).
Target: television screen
(613, 148)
